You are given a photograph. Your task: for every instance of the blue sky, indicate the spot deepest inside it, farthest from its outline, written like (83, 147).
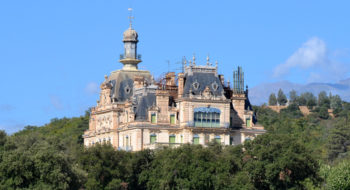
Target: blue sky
(54, 54)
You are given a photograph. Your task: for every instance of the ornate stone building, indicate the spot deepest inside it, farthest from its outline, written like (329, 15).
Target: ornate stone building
(197, 106)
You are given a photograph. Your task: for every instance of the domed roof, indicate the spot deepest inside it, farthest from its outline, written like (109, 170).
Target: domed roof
(130, 35)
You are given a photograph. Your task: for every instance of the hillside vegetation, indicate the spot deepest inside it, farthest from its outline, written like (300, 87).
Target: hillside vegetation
(297, 152)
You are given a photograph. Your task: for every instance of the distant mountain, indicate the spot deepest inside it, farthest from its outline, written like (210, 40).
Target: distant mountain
(260, 94)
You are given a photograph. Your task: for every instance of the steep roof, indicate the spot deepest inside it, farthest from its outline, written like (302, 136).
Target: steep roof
(197, 82)
(144, 103)
(123, 82)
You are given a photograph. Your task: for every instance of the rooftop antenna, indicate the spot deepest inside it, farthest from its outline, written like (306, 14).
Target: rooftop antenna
(130, 17)
(184, 63)
(168, 65)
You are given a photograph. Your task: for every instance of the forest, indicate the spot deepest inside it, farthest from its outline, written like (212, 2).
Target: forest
(296, 152)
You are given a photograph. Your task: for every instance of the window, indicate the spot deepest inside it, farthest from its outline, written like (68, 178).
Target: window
(172, 139)
(182, 139)
(248, 122)
(206, 117)
(172, 119)
(127, 141)
(215, 86)
(153, 139)
(195, 139)
(195, 85)
(127, 89)
(218, 139)
(153, 118)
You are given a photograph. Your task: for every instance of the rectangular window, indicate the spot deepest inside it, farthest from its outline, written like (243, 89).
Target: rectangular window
(195, 140)
(218, 140)
(172, 139)
(153, 139)
(248, 122)
(182, 139)
(153, 118)
(172, 119)
(127, 141)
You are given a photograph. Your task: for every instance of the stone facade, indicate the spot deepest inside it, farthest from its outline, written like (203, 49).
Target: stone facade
(135, 112)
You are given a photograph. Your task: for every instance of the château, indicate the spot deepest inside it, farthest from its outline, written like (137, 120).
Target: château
(195, 106)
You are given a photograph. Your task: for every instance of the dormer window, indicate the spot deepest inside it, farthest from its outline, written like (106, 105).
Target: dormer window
(215, 86)
(195, 85)
(127, 89)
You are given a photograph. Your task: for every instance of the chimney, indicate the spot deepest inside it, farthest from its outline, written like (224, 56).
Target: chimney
(180, 84)
(170, 79)
(222, 79)
(138, 82)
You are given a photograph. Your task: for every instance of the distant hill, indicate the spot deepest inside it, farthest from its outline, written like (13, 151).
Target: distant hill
(260, 94)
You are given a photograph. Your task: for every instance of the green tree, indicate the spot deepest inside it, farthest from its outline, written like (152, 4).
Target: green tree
(106, 167)
(293, 97)
(193, 167)
(323, 100)
(323, 112)
(33, 162)
(281, 98)
(278, 162)
(3, 137)
(336, 102)
(338, 140)
(272, 99)
(339, 176)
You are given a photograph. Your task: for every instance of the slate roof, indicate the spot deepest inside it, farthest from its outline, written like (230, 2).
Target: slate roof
(204, 80)
(144, 103)
(123, 82)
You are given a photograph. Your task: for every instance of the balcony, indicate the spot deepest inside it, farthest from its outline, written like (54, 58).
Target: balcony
(159, 145)
(122, 56)
(207, 124)
(125, 148)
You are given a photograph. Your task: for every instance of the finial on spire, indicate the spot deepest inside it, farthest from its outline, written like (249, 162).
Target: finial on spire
(130, 17)
(106, 77)
(216, 63)
(208, 60)
(194, 59)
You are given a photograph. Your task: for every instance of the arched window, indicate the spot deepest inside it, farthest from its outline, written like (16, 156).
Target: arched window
(206, 117)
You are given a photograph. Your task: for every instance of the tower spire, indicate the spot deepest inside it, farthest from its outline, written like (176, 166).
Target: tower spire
(130, 58)
(130, 17)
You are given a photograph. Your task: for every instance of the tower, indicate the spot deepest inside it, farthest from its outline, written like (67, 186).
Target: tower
(238, 96)
(130, 58)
